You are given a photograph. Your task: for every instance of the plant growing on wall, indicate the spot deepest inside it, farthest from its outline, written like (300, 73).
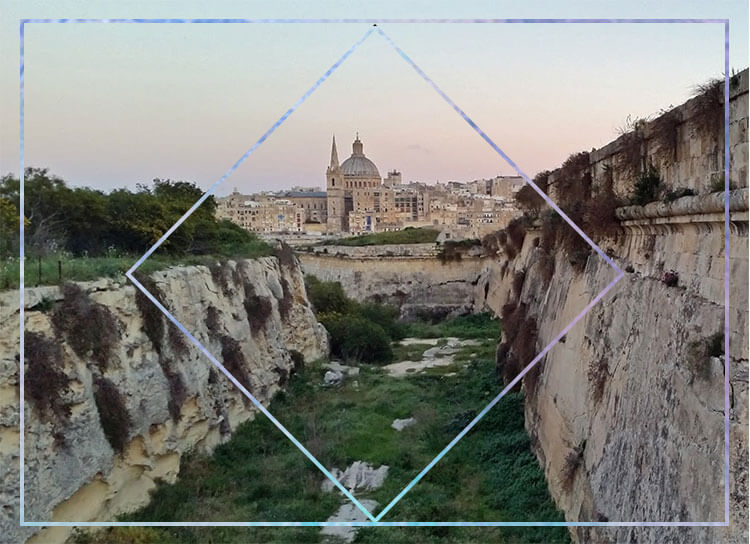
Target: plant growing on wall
(647, 186)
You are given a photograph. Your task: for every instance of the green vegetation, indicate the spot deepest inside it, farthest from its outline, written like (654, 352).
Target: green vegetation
(477, 326)
(360, 331)
(491, 475)
(647, 186)
(83, 234)
(409, 235)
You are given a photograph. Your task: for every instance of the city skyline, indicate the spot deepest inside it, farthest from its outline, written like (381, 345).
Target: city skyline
(114, 105)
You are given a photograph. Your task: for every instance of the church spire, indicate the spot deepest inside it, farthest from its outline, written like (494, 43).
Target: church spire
(334, 155)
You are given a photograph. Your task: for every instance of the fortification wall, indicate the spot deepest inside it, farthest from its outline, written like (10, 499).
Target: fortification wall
(686, 145)
(417, 284)
(626, 412)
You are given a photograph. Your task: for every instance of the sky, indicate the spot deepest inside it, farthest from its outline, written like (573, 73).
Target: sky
(112, 105)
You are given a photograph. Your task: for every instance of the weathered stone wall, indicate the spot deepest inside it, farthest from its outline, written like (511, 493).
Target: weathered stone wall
(626, 414)
(686, 145)
(78, 476)
(417, 284)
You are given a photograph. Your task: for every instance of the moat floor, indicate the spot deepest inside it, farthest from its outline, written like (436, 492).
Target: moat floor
(259, 475)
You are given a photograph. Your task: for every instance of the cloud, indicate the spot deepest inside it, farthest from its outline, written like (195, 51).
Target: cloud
(418, 148)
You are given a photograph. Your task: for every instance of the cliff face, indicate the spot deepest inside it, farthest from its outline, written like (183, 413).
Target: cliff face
(115, 395)
(626, 414)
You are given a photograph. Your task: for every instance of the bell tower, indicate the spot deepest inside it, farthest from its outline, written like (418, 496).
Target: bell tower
(335, 193)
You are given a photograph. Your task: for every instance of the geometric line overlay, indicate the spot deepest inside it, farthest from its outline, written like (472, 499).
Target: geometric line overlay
(375, 521)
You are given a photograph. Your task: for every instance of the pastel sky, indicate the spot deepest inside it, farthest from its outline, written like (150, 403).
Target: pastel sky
(111, 105)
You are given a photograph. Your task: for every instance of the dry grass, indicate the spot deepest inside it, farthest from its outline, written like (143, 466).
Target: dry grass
(570, 468)
(45, 382)
(113, 413)
(598, 373)
(708, 108)
(664, 131)
(89, 328)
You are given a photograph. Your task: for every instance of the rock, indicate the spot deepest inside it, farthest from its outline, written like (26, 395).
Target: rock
(348, 512)
(358, 476)
(344, 369)
(401, 424)
(86, 477)
(332, 377)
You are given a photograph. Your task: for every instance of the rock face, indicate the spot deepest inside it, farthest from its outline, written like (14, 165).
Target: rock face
(415, 280)
(626, 412)
(126, 394)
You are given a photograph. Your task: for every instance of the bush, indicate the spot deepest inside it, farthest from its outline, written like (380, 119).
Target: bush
(359, 339)
(647, 186)
(679, 192)
(384, 315)
(327, 297)
(113, 413)
(89, 328)
(257, 308)
(45, 382)
(597, 373)
(409, 235)
(670, 278)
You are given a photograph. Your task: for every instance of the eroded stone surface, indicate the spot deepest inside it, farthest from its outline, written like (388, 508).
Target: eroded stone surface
(401, 424)
(85, 480)
(359, 476)
(348, 512)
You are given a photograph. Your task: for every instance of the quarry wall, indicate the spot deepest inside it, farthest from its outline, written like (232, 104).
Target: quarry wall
(412, 277)
(626, 412)
(99, 349)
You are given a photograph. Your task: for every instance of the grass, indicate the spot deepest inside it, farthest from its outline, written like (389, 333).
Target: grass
(258, 475)
(409, 235)
(92, 268)
(482, 325)
(412, 352)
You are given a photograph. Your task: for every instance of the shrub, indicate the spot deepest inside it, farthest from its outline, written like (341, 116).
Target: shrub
(113, 413)
(45, 382)
(152, 317)
(89, 328)
(356, 338)
(516, 230)
(286, 302)
(632, 138)
(257, 308)
(647, 186)
(384, 315)
(550, 226)
(524, 343)
(569, 469)
(597, 373)
(708, 107)
(670, 278)
(599, 219)
(285, 255)
(452, 250)
(674, 194)
(518, 279)
(177, 389)
(573, 180)
(234, 361)
(219, 276)
(528, 199)
(546, 267)
(327, 297)
(665, 132)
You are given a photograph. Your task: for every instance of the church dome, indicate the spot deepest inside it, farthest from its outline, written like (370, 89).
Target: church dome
(358, 164)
